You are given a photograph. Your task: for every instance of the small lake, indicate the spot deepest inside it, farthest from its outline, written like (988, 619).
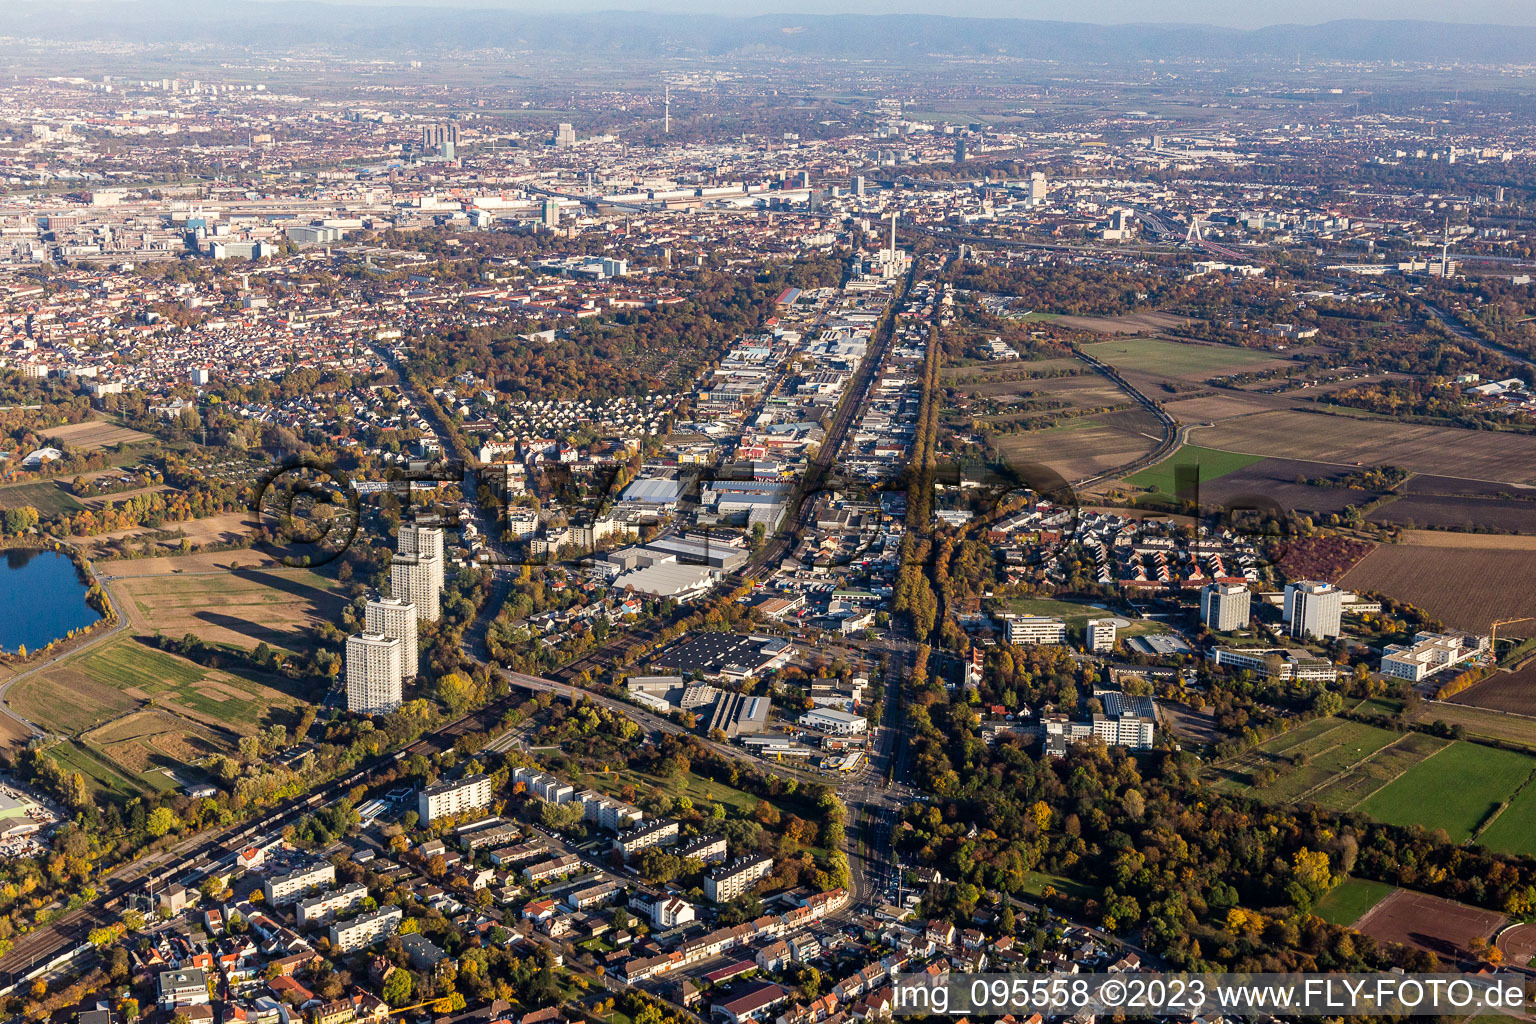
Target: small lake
(41, 599)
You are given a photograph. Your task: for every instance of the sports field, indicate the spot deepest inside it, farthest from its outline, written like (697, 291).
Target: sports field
(1443, 927)
(1513, 829)
(1457, 792)
(1351, 899)
(1213, 464)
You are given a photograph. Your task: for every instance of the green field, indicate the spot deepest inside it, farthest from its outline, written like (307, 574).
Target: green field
(1036, 882)
(1456, 790)
(1172, 358)
(99, 774)
(1350, 899)
(129, 711)
(1407, 778)
(695, 787)
(1329, 746)
(1213, 463)
(1514, 830)
(44, 495)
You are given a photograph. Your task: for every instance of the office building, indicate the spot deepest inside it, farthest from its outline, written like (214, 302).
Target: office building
(551, 214)
(960, 151)
(1312, 610)
(1099, 635)
(834, 722)
(1224, 606)
(453, 798)
(373, 673)
(858, 184)
(1430, 653)
(289, 888)
(365, 929)
(565, 136)
(1278, 663)
(1036, 629)
(393, 617)
(728, 881)
(1037, 188)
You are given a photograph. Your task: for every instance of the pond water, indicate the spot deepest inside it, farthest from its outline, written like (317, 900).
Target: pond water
(41, 599)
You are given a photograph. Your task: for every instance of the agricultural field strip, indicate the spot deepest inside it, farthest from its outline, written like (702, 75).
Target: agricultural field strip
(1337, 751)
(1336, 780)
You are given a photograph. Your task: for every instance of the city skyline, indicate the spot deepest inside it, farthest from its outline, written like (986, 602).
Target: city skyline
(1102, 12)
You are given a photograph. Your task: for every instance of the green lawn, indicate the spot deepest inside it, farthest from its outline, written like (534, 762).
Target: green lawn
(1456, 790)
(1350, 899)
(1172, 358)
(694, 787)
(1353, 787)
(1213, 464)
(1514, 830)
(99, 775)
(1036, 881)
(44, 495)
(1378, 706)
(1399, 778)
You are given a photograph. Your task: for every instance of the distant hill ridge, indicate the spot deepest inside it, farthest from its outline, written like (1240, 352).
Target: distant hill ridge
(428, 29)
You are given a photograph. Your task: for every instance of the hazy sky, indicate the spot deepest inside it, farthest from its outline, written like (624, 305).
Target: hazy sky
(1235, 13)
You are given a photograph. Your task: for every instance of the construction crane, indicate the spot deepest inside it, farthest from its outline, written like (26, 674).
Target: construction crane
(1493, 638)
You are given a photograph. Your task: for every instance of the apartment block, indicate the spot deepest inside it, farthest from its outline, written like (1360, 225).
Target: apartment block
(453, 798)
(365, 929)
(374, 673)
(392, 617)
(321, 908)
(728, 881)
(280, 890)
(656, 832)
